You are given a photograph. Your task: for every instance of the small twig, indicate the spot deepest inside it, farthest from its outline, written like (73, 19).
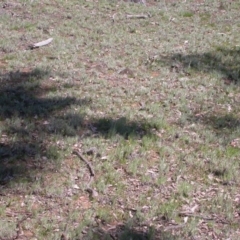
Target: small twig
(92, 173)
(137, 16)
(172, 227)
(185, 214)
(113, 17)
(92, 192)
(19, 225)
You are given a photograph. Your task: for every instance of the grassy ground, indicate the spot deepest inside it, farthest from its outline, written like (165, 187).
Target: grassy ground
(151, 103)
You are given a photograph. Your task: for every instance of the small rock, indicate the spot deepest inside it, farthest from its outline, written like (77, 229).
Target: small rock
(75, 186)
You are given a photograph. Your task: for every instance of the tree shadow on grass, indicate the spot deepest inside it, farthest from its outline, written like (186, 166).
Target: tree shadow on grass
(109, 127)
(28, 119)
(227, 122)
(21, 96)
(224, 126)
(124, 232)
(24, 111)
(222, 60)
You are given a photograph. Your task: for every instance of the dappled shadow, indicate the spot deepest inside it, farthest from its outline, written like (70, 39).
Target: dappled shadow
(28, 120)
(66, 125)
(124, 232)
(225, 62)
(20, 96)
(24, 114)
(222, 60)
(227, 122)
(122, 126)
(77, 125)
(224, 126)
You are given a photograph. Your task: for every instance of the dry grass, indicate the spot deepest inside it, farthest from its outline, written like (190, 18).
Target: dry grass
(152, 104)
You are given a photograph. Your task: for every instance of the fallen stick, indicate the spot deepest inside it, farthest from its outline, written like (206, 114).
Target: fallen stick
(174, 227)
(92, 192)
(19, 225)
(137, 16)
(185, 214)
(92, 173)
(41, 44)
